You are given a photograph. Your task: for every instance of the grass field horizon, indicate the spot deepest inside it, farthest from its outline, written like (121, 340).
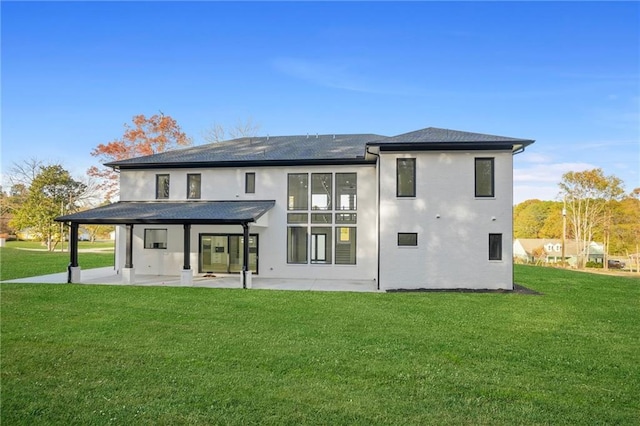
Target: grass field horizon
(146, 355)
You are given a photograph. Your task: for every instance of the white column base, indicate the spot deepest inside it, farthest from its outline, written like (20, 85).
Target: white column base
(248, 275)
(186, 277)
(75, 274)
(128, 275)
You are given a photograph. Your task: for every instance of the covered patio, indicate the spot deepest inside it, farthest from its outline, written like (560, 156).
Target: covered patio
(185, 213)
(108, 276)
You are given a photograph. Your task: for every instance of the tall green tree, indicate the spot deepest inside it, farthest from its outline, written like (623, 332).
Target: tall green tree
(52, 192)
(589, 195)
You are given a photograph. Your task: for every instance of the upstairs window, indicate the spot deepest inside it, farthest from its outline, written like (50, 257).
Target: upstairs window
(193, 186)
(484, 176)
(321, 184)
(298, 191)
(346, 191)
(406, 177)
(250, 183)
(162, 187)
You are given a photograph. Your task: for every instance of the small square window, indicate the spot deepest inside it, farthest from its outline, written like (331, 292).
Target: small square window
(155, 238)
(407, 239)
(495, 246)
(250, 183)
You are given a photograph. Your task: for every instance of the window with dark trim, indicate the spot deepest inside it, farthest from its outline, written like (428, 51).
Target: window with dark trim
(162, 187)
(346, 191)
(484, 177)
(407, 239)
(495, 246)
(155, 238)
(297, 244)
(298, 191)
(320, 244)
(406, 177)
(345, 245)
(321, 187)
(250, 183)
(194, 182)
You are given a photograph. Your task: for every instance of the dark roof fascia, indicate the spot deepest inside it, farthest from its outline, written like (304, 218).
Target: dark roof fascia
(249, 163)
(450, 146)
(125, 221)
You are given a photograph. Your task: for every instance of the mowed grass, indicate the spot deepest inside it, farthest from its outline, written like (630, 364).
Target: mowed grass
(74, 354)
(16, 262)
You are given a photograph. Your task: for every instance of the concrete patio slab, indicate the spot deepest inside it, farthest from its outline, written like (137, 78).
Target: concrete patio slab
(108, 276)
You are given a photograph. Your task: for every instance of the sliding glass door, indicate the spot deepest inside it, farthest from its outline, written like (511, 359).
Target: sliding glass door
(224, 253)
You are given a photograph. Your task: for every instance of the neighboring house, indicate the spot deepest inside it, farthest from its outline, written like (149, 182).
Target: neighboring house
(549, 250)
(426, 209)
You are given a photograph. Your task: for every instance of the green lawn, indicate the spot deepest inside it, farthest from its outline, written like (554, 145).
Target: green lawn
(19, 263)
(74, 354)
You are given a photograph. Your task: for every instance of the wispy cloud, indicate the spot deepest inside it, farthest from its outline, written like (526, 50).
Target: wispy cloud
(548, 173)
(343, 75)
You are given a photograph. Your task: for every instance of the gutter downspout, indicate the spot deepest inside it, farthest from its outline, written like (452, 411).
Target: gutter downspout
(377, 214)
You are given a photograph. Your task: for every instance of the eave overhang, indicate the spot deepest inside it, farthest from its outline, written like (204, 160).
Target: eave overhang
(248, 163)
(172, 212)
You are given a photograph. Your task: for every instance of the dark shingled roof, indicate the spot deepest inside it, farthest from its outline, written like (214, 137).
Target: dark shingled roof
(436, 135)
(195, 212)
(316, 149)
(264, 149)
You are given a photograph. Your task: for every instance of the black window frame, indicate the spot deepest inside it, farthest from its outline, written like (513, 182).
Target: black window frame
(189, 176)
(492, 193)
(156, 245)
(495, 246)
(398, 168)
(168, 186)
(306, 205)
(304, 232)
(406, 234)
(250, 183)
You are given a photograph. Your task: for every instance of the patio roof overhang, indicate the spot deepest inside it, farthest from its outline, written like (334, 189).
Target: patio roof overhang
(172, 212)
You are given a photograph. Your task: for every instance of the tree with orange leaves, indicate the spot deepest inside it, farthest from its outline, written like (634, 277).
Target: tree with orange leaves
(147, 136)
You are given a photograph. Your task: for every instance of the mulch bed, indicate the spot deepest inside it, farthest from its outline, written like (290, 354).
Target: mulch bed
(517, 288)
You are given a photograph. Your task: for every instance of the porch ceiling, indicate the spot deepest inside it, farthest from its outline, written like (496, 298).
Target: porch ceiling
(172, 212)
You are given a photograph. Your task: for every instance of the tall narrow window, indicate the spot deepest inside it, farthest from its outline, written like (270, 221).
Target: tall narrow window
(250, 183)
(320, 245)
(345, 246)
(162, 187)
(193, 186)
(321, 191)
(406, 177)
(346, 191)
(296, 244)
(495, 246)
(484, 172)
(298, 191)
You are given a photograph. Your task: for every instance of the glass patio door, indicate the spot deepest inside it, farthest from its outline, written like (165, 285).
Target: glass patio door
(224, 253)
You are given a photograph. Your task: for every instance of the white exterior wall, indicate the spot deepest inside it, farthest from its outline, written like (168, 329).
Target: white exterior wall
(453, 225)
(229, 184)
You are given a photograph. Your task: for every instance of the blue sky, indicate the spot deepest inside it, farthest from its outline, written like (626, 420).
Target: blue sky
(564, 74)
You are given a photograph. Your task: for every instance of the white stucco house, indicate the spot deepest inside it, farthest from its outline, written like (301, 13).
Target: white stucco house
(429, 209)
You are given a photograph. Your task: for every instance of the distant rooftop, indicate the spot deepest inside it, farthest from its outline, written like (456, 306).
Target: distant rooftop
(316, 149)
